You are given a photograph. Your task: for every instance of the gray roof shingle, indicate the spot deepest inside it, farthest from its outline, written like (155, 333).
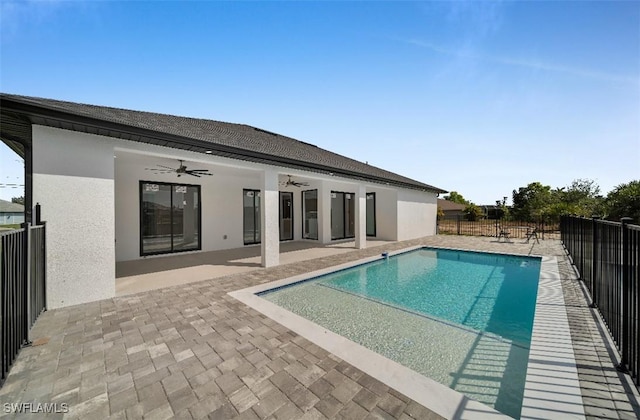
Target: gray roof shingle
(239, 137)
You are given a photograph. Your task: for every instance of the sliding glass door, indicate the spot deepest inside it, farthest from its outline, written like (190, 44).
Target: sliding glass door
(169, 217)
(310, 214)
(251, 216)
(342, 215)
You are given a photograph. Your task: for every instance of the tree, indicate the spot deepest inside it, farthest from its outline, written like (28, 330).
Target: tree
(473, 212)
(456, 198)
(532, 202)
(582, 198)
(624, 201)
(18, 200)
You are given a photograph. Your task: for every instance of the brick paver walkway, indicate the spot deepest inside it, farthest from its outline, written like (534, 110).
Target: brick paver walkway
(192, 351)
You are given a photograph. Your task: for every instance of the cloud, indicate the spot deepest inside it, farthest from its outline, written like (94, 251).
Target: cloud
(534, 64)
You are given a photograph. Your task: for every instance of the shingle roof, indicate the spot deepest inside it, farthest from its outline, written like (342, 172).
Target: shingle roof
(9, 207)
(450, 205)
(241, 139)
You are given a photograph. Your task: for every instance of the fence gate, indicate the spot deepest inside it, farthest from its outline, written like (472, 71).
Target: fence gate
(22, 288)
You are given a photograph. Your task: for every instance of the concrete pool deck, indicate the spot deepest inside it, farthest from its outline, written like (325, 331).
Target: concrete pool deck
(193, 351)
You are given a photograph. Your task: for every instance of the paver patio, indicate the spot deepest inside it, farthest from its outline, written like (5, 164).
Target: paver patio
(192, 351)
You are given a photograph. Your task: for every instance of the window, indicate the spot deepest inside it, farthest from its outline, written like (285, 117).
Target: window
(169, 218)
(371, 214)
(342, 215)
(251, 216)
(310, 214)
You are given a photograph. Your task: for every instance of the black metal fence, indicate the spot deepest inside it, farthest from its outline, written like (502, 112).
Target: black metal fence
(22, 289)
(489, 227)
(607, 256)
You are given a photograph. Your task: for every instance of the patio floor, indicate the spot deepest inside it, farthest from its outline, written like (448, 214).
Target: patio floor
(192, 351)
(157, 272)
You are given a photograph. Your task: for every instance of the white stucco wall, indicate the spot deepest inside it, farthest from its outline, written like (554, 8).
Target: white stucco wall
(416, 214)
(73, 182)
(386, 214)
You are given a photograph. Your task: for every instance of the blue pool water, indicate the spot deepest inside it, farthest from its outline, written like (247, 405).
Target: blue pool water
(462, 318)
(486, 292)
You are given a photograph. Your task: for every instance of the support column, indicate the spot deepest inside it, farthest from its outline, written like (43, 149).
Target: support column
(324, 218)
(361, 217)
(269, 214)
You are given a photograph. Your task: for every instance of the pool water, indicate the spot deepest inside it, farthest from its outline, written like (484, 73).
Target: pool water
(461, 318)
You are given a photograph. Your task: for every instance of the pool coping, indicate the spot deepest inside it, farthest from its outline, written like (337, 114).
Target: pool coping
(552, 388)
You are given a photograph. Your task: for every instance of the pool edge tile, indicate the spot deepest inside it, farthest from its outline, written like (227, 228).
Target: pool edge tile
(557, 361)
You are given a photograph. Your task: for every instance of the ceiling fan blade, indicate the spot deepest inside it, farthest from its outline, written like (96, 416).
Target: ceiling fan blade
(199, 170)
(166, 167)
(158, 170)
(192, 174)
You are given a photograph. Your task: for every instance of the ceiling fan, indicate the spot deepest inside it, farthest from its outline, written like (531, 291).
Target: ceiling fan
(294, 183)
(181, 170)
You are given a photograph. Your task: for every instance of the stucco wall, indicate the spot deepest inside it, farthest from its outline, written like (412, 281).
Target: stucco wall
(73, 182)
(416, 214)
(386, 214)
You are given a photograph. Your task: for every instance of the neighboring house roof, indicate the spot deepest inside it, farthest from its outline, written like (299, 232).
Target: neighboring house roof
(9, 207)
(238, 141)
(447, 205)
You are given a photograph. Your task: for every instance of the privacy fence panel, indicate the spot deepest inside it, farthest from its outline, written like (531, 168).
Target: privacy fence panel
(607, 256)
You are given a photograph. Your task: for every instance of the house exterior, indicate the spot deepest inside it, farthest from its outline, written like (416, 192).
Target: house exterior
(11, 213)
(117, 185)
(450, 209)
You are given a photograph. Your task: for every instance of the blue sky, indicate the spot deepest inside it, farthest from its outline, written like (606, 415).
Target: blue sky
(477, 97)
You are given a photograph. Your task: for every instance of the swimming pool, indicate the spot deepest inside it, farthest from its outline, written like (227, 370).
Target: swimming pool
(461, 318)
(474, 359)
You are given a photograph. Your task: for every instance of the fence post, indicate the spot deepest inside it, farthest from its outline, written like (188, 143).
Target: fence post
(626, 297)
(594, 261)
(458, 223)
(497, 226)
(38, 215)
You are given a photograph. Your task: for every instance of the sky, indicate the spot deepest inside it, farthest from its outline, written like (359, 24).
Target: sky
(477, 97)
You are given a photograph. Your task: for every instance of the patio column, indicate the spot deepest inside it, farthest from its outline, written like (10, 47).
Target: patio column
(361, 217)
(324, 207)
(270, 241)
